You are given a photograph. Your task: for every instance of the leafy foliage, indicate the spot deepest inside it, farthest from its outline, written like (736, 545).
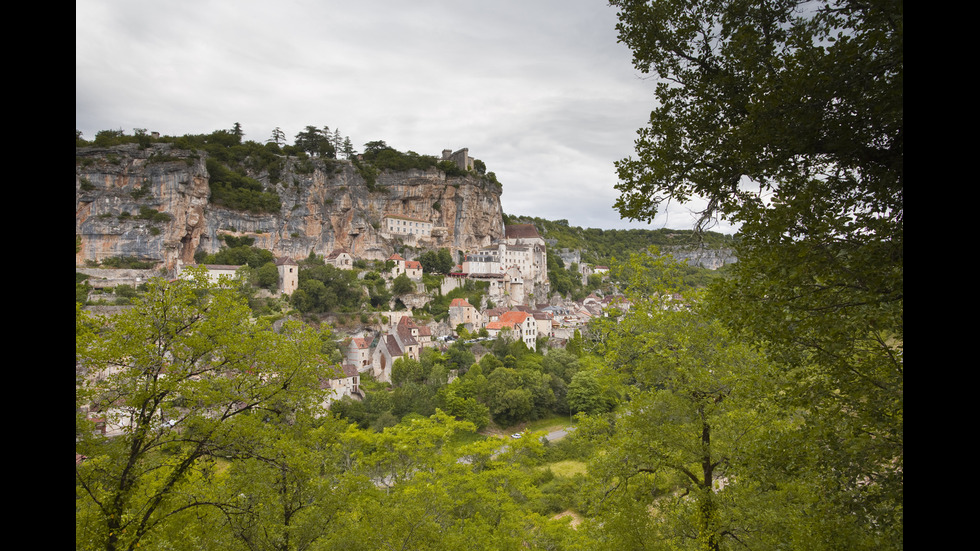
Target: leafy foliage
(180, 375)
(239, 192)
(790, 122)
(384, 157)
(127, 262)
(237, 254)
(324, 288)
(316, 142)
(437, 262)
(402, 285)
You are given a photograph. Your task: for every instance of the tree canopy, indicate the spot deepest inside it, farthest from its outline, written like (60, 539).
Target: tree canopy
(802, 100)
(184, 382)
(787, 117)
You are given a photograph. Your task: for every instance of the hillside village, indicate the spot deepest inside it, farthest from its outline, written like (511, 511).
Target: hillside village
(511, 267)
(156, 204)
(456, 213)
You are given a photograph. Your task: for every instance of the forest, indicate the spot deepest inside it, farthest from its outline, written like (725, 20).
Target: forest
(764, 411)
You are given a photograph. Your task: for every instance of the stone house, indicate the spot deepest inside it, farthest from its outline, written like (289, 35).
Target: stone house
(525, 240)
(461, 158)
(545, 322)
(413, 269)
(388, 350)
(408, 329)
(344, 383)
(399, 267)
(339, 258)
(215, 271)
(522, 325)
(461, 311)
(359, 353)
(516, 265)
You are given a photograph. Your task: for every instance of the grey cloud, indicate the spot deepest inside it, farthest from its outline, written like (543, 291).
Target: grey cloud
(537, 89)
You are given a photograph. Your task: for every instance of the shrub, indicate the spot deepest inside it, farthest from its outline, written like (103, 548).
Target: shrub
(239, 192)
(153, 215)
(127, 262)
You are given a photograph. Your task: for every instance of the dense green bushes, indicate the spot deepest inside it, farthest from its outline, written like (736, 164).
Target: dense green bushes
(236, 255)
(236, 191)
(324, 288)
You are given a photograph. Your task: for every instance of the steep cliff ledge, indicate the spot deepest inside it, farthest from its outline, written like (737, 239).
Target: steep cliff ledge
(152, 204)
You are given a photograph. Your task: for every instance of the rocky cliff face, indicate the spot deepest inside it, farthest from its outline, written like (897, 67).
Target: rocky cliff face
(153, 205)
(711, 259)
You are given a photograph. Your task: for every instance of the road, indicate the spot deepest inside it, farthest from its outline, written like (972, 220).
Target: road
(558, 434)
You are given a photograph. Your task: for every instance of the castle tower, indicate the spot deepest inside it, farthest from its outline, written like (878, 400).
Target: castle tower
(288, 275)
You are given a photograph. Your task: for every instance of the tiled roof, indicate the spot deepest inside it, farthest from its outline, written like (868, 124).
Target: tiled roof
(405, 336)
(407, 321)
(392, 344)
(361, 343)
(350, 370)
(514, 317)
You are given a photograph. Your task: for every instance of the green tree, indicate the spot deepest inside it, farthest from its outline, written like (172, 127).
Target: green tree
(508, 401)
(402, 285)
(789, 121)
(324, 288)
(278, 137)
(679, 444)
(732, 76)
(288, 493)
(437, 262)
(406, 370)
(267, 276)
(432, 500)
(348, 148)
(180, 376)
(586, 395)
(315, 142)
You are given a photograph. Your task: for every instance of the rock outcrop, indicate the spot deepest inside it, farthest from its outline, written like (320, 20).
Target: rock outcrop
(153, 205)
(711, 259)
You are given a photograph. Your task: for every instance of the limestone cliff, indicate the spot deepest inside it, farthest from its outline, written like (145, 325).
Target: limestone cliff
(711, 259)
(152, 204)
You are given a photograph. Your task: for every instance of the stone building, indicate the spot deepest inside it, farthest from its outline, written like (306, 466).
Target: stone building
(403, 225)
(462, 312)
(288, 275)
(461, 158)
(516, 265)
(339, 258)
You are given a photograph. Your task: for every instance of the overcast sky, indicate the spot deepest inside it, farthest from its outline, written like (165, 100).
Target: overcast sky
(539, 90)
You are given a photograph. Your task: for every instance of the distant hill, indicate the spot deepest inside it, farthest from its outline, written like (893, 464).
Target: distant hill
(600, 247)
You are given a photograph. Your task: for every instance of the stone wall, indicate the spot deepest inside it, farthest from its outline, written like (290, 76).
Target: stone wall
(103, 278)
